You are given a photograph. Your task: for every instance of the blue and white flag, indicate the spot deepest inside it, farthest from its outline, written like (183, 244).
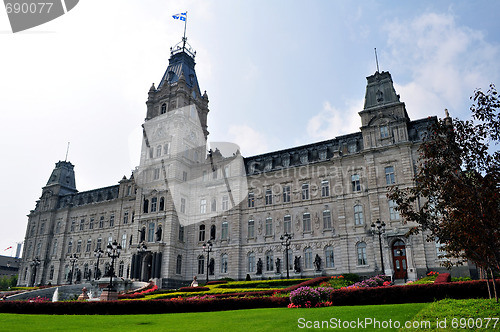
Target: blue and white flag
(181, 16)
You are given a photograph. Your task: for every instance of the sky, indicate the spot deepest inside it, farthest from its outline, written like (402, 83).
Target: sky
(278, 74)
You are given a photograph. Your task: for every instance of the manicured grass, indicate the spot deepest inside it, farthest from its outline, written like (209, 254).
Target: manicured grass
(469, 314)
(275, 319)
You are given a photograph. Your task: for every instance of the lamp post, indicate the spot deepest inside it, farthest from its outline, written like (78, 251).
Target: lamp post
(34, 264)
(113, 250)
(72, 259)
(137, 270)
(207, 247)
(98, 253)
(285, 241)
(379, 228)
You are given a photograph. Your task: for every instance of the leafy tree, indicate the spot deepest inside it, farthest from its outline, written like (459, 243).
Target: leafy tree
(456, 194)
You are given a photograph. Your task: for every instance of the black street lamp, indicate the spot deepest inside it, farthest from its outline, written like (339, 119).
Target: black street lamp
(34, 264)
(207, 247)
(98, 253)
(113, 250)
(72, 259)
(285, 241)
(379, 228)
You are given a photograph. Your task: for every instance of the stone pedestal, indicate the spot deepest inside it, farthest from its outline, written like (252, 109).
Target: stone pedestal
(109, 295)
(83, 296)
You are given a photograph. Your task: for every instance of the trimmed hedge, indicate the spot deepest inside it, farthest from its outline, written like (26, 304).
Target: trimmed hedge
(216, 282)
(259, 283)
(194, 289)
(409, 293)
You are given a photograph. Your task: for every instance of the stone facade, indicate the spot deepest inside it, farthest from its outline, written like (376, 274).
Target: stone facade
(325, 195)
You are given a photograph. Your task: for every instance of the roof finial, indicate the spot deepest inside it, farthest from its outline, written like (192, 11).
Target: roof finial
(376, 59)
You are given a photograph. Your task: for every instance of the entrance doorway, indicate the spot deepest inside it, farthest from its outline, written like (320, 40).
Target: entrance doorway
(399, 260)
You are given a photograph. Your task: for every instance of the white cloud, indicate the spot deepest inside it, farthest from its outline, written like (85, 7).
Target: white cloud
(445, 61)
(251, 142)
(332, 122)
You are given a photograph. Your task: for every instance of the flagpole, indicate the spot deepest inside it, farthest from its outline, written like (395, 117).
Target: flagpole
(184, 38)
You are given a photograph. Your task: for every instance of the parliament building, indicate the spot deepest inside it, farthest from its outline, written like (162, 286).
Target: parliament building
(186, 212)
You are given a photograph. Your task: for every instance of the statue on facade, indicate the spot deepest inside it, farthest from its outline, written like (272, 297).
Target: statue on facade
(296, 264)
(211, 267)
(317, 262)
(259, 266)
(278, 265)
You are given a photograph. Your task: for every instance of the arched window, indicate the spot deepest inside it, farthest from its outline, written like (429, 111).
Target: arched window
(201, 235)
(178, 265)
(158, 233)
(308, 258)
(212, 232)
(251, 262)
(223, 263)
(201, 264)
(269, 261)
(163, 108)
(162, 203)
(121, 267)
(329, 259)
(361, 249)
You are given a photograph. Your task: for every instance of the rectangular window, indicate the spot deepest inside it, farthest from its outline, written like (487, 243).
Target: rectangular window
(101, 222)
(306, 218)
(214, 205)
(393, 213)
(72, 228)
(308, 259)
(154, 203)
(156, 174)
(269, 261)
(356, 184)
(79, 246)
(358, 215)
(361, 254)
(251, 263)
(251, 229)
(184, 176)
(224, 230)
(125, 218)
(389, 175)
(89, 245)
(91, 223)
(70, 246)
(269, 197)
(286, 194)
(181, 233)
(151, 232)
(225, 203)
(111, 220)
(124, 241)
(329, 258)
(203, 206)
(269, 226)
(82, 224)
(327, 219)
(98, 243)
(287, 224)
(305, 191)
(201, 265)
(251, 199)
(384, 131)
(325, 188)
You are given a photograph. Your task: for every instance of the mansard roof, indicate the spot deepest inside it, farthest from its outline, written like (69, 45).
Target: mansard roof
(89, 197)
(181, 63)
(322, 151)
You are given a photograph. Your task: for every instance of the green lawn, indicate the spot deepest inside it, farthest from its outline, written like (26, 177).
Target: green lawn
(276, 319)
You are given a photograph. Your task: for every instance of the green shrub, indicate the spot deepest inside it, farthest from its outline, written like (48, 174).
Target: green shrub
(352, 277)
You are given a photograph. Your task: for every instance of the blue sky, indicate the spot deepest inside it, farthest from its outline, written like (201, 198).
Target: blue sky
(277, 73)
